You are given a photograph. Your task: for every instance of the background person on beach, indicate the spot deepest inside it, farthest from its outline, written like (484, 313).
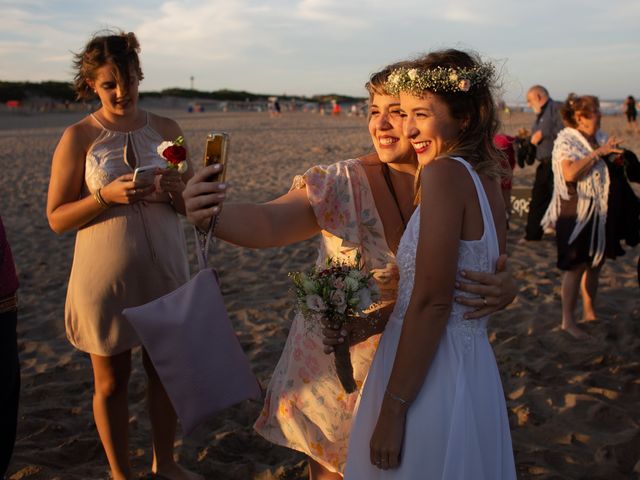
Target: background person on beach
(129, 248)
(631, 113)
(9, 360)
(432, 406)
(543, 132)
(363, 204)
(579, 206)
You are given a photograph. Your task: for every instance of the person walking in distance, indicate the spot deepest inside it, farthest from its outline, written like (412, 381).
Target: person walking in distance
(543, 133)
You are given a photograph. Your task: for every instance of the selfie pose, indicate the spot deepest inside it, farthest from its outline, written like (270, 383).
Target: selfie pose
(432, 405)
(358, 204)
(130, 246)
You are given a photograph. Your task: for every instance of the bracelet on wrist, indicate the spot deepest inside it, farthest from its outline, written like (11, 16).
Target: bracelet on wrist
(97, 196)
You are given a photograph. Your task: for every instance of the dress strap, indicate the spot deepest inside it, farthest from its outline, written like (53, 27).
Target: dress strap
(99, 122)
(104, 127)
(487, 217)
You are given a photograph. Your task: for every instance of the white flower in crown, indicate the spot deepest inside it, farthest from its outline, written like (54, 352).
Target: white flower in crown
(464, 85)
(412, 74)
(453, 76)
(395, 77)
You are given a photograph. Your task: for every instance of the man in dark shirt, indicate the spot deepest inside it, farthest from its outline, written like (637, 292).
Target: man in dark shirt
(9, 366)
(543, 133)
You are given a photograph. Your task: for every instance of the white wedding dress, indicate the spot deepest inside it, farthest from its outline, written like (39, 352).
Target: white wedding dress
(457, 427)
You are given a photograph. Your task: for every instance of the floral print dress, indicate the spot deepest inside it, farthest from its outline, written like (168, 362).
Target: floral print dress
(306, 408)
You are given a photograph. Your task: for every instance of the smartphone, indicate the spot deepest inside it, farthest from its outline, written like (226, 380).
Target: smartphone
(216, 150)
(145, 175)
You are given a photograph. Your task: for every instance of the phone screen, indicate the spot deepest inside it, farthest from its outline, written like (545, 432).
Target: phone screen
(216, 151)
(144, 175)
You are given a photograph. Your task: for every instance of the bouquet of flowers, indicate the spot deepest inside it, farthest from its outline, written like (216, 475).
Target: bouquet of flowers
(333, 296)
(174, 153)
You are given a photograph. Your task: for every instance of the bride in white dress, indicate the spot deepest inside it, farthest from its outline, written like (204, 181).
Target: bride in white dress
(433, 405)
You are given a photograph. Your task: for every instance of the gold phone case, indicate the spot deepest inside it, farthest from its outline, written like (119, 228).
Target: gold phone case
(216, 150)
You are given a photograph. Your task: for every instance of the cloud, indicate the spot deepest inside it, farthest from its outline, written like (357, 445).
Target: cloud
(334, 14)
(314, 46)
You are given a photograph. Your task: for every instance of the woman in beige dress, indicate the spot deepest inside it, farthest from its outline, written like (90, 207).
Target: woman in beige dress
(130, 246)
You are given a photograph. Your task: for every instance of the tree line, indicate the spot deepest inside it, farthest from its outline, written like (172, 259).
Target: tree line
(62, 91)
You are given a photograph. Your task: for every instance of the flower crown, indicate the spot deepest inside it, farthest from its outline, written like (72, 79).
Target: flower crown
(438, 79)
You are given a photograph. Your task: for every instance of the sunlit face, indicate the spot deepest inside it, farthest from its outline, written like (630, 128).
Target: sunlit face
(115, 98)
(428, 125)
(385, 128)
(535, 101)
(589, 125)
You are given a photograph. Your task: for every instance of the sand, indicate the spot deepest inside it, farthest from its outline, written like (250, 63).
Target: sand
(574, 407)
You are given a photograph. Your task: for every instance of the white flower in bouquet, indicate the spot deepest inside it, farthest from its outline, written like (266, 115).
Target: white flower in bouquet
(314, 302)
(339, 300)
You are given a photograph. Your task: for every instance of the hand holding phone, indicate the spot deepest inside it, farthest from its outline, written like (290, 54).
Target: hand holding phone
(216, 150)
(145, 175)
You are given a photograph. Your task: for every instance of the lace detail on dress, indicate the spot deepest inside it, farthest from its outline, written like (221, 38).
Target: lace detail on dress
(473, 255)
(106, 159)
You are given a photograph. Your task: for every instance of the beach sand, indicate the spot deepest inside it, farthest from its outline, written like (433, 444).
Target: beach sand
(574, 406)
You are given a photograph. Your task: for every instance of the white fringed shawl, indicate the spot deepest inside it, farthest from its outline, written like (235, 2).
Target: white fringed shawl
(592, 189)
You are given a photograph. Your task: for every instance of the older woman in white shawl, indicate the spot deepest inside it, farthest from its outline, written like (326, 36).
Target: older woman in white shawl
(579, 204)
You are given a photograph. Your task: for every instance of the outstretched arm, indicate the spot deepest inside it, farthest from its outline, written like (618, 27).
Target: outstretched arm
(285, 220)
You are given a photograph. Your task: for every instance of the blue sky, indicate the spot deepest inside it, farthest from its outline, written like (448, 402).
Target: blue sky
(307, 47)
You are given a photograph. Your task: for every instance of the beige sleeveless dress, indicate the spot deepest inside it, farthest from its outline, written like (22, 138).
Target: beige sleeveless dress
(126, 256)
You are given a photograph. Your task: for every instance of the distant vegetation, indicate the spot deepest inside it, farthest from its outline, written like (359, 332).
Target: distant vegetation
(62, 91)
(27, 90)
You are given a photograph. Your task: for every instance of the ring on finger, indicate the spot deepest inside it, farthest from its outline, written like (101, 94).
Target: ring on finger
(484, 301)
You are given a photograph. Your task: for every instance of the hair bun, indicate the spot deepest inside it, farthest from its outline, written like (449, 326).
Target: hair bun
(131, 41)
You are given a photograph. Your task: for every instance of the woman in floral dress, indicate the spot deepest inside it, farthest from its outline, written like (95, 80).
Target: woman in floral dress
(358, 204)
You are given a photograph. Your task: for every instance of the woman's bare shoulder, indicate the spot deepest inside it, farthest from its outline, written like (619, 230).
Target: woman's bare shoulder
(82, 133)
(165, 126)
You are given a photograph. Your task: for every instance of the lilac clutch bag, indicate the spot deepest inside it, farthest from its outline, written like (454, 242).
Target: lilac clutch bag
(194, 349)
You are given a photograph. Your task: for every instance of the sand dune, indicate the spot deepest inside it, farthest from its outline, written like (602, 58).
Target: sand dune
(573, 406)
